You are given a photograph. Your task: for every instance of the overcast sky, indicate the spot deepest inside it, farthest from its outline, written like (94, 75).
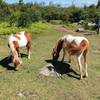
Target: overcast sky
(61, 2)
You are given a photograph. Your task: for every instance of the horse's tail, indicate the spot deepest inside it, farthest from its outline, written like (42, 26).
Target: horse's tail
(86, 49)
(28, 36)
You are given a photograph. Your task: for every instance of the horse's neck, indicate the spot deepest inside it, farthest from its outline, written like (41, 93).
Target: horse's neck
(12, 46)
(13, 50)
(15, 54)
(59, 45)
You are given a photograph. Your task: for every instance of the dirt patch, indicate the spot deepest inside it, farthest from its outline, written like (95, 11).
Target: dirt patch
(61, 28)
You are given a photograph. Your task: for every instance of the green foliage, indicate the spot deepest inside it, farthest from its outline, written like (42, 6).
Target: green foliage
(56, 22)
(23, 15)
(4, 12)
(21, 2)
(2, 1)
(23, 20)
(12, 20)
(35, 28)
(35, 15)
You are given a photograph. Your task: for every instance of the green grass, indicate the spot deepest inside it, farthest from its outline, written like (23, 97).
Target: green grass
(32, 86)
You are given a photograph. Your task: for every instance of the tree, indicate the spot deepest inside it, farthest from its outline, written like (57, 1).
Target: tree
(23, 20)
(21, 2)
(35, 15)
(2, 1)
(98, 4)
(4, 12)
(12, 19)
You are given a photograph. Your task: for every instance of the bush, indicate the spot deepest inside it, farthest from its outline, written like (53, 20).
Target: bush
(86, 26)
(35, 15)
(12, 20)
(23, 20)
(56, 21)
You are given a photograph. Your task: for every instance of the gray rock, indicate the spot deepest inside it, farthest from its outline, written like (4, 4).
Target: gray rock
(49, 70)
(80, 30)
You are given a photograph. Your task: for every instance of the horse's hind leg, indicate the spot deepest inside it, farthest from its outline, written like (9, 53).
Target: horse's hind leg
(85, 62)
(80, 65)
(29, 49)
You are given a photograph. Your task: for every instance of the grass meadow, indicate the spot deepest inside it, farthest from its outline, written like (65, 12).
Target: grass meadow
(27, 84)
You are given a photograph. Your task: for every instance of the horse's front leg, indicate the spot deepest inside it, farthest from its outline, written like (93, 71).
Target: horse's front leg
(17, 49)
(64, 53)
(29, 53)
(29, 49)
(69, 58)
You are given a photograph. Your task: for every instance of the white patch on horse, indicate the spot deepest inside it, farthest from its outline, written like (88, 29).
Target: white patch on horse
(11, 38)
(23, 41)
(76, 39)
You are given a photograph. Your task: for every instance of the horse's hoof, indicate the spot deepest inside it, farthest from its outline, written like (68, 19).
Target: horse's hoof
(81, 78)
(69, 61)
(86, 76)
(28, 57)
(62, 60)
(16, 69)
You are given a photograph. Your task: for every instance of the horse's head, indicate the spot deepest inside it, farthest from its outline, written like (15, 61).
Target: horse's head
(57, 49)
(55, 54)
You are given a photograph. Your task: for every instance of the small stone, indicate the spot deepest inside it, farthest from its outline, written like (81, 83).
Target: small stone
(20, 94)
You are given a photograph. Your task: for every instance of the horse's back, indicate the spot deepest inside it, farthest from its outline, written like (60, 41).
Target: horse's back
(21, 38)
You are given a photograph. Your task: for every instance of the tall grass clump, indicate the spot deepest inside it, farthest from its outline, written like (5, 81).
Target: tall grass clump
(35, 28)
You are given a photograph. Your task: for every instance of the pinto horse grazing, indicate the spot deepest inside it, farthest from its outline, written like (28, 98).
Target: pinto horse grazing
(17, 41)
(73, 45)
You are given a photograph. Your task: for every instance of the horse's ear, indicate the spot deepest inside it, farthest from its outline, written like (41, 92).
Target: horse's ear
(52, 51)
(8, 45)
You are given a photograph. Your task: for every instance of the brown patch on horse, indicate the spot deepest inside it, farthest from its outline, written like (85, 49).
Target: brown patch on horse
(74, 49)
(16, 45)
(16, 35)
(27, 35)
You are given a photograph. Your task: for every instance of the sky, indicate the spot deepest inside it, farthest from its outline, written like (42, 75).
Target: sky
(79, 3)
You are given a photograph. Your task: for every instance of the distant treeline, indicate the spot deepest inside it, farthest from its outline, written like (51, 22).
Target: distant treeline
(22, 15)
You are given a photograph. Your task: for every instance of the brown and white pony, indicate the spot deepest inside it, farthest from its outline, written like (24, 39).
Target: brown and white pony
(73, 45)
(17, 41)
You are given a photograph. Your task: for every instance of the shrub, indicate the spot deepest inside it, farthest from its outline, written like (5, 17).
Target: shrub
(35, 15)
(23, 20)
(56, 21)
(12, 20)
